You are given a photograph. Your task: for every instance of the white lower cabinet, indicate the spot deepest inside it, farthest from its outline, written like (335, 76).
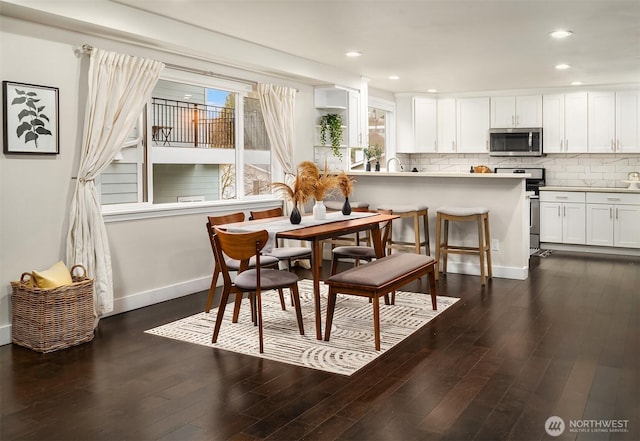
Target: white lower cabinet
(562, 217)
(613, 219)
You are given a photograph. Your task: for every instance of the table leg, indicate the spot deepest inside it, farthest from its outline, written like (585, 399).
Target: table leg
(316, 265)
(376, 238)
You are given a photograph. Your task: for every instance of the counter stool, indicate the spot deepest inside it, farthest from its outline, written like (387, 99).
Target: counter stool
(414, 212)
(463, 214)
(352, 239)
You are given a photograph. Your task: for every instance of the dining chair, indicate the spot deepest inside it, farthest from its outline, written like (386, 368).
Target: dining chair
(232, 264)
(280, 251)
(242, 247)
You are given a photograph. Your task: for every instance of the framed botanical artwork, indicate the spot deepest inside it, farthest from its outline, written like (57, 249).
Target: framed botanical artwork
(31, 122)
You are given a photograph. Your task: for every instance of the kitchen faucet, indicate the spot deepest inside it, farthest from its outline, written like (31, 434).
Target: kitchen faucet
(396, 159)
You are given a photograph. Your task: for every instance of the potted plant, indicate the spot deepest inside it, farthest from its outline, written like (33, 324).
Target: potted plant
(331, 125)
(372, 152)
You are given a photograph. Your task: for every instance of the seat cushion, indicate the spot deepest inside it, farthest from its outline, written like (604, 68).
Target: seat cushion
(356, 252)
(234, 264)
(381, 271)
(269, 279)
(462, 211)
(284, 253)
(398, 209)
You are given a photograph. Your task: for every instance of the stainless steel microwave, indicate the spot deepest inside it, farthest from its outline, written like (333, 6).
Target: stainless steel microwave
(515, 142)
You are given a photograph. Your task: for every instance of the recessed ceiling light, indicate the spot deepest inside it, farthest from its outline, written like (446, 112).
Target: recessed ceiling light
(432, 90)
(562, 66)
(353, 54)
(394, 77)
(560, 33)
(187, 96)
(576, 83)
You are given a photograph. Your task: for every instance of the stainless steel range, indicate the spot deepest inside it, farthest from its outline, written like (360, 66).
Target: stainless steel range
(533, 188)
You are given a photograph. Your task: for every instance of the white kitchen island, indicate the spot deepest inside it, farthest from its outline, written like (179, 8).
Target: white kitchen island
(504, 194)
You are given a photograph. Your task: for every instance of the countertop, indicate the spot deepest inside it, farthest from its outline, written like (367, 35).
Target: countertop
(592, 189)
(442, 174)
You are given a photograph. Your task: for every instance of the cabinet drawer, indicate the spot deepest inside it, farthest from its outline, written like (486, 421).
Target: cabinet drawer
(613, 198)
(562, 196)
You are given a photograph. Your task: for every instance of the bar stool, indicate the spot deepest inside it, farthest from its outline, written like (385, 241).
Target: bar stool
(352, 239)
(414, 212)
(463, 214)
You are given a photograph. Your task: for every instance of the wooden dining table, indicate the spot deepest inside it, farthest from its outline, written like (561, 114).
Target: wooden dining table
(335, 226)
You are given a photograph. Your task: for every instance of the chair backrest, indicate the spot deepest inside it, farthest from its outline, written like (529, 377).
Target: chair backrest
(241, 246)
(386, 230)
(264, 214)
(212, 221)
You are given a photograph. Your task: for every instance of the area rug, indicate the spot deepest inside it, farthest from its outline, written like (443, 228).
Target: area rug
(352, 340)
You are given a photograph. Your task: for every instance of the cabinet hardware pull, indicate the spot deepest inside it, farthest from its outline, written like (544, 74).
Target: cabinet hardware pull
(562, 197)
(561, 142)
(611, 198)
(616, 214)
(558, 210)
(564, 211)
(617, 144)
(566, 144)
(610, 213)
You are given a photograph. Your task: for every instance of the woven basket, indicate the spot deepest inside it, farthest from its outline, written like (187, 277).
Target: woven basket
(47, 320)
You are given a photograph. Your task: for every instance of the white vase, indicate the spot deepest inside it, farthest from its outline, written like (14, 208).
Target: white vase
(319, 211)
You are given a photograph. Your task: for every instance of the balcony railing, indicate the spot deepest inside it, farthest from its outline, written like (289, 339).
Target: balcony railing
(187, 124)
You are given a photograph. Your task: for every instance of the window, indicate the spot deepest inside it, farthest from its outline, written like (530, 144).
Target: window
(198, 140)
(380, 126)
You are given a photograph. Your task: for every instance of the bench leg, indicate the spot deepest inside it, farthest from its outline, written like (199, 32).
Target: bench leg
(331, 306)
(432, 289)
(376, 321)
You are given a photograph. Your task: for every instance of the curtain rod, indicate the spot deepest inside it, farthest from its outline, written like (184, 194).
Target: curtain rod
(86, 49)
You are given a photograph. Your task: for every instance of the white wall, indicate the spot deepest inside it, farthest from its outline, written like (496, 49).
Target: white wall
(153, 259)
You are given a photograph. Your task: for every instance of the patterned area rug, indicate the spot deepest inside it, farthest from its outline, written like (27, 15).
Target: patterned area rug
(352, 341)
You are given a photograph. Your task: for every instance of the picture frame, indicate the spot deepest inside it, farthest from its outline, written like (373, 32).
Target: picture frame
(31, 122)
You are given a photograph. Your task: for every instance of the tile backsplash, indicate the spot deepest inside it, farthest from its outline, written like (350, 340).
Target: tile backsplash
(562, 170)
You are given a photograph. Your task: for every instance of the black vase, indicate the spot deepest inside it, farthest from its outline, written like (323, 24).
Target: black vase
(346, 207)
(377, 166)
(295, 216)
(368, 167)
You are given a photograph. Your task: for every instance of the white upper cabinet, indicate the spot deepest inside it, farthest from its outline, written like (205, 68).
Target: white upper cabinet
(614, 122)
(425, 123)
(628, 121)
(602, 122)
(472, 125)
(564, 124)
(344, 102)
(447, 125)
(516, 111)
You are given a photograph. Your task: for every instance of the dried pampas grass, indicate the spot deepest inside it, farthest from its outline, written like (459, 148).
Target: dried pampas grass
(345, 184)
(308, 184)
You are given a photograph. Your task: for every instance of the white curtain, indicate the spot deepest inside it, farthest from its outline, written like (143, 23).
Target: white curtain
(119, 87)
(278, 106)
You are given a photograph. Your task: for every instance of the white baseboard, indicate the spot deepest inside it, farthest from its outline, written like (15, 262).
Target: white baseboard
(500, 272)
(139, 300)
(147, 298)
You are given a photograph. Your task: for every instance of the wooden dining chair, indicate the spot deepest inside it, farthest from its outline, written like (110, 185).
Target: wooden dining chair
(281, 251)
(242, 247)
(232, 264)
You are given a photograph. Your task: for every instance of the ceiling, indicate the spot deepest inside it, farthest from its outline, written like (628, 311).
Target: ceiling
(452, 46)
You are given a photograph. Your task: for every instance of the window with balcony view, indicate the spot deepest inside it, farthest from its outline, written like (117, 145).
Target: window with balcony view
(193, 143)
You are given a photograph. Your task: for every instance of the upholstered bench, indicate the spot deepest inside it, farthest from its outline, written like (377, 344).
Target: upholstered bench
(378, 279)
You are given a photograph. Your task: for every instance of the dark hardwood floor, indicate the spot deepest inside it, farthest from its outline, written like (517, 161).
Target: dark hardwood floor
(495, 366)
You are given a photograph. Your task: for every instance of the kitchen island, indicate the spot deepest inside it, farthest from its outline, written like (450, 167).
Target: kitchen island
(504, 194)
